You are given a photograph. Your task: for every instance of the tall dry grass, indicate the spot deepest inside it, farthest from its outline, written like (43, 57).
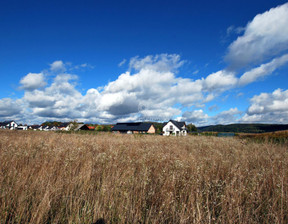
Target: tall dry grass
(60, 178)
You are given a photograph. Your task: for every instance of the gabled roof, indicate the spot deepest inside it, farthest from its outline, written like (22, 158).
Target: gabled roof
(4, 123)
(35, 126)
(178, 124)
(138, 126)
(47, 127)
(82, 127)
(64, 124)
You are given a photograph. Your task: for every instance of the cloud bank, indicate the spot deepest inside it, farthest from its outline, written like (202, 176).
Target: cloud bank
(265, 37)
(152, 89)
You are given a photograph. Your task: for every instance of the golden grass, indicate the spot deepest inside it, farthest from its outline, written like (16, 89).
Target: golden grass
(60, 178)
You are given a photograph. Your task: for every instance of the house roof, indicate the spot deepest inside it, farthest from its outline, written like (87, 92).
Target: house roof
(82, 127)
(64, 125)
(138, 126)
(48, 127)
(35, 126)
(177, 124)
(4, 123)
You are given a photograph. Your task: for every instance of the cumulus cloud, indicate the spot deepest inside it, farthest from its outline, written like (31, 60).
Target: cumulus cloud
(227, 117)
(268, 108)
(160, 63)
(150, 89)
(57, 66)
(156, 87)
(200, 118)
(9, 107)
(39, 99)
(33, 81)
(197, 117)
(152, 92)
(220, 81)
(266, 36)
(58, 100)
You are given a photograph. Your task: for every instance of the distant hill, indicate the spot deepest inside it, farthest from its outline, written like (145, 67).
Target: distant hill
(244, 128)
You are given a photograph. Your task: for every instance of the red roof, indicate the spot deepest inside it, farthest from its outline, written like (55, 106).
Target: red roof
(91, 127)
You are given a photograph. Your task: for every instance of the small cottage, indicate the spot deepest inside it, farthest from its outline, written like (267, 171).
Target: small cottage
(11, 125)
(174, 128)
(66, 126)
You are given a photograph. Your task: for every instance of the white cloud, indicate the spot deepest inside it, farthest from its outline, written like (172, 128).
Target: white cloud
(122, 63)
(220, 81)
(232, 29)
(263, 70)
(268, 108)
(197, 117)
(75, 67)
(265, 36)
(33, 81)
(58, 100)
(39, 99)
(200, 118)
(9, 107)
(153, 85)
(57, 66)
(227, 117)
(195, 72)
(160, 63)
(150, 90)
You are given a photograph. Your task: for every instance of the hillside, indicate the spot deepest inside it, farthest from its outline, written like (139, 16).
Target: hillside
(245, 128)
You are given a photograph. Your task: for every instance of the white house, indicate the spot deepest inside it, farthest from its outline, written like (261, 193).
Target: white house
(35, 127)
(45, 128)
(12, 125)
(22, 127)
(174, 128)
(49, 128)
(65, 126)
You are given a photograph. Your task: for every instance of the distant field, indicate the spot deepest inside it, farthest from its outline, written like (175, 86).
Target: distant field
(70, 178)
(278, 137)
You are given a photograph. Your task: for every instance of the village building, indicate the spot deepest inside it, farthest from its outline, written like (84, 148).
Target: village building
(66, 126)
(133, 128)
(35, 127)
(11, 125)
(22, 127)
(49, 128)
(174, 128)
(83, 127)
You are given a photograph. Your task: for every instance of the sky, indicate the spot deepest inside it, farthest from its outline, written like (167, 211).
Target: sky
(203, 62)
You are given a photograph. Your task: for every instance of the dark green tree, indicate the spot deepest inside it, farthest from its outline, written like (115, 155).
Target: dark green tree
(191, 128)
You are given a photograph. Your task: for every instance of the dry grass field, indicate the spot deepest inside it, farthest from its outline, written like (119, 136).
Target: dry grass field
(72, 178)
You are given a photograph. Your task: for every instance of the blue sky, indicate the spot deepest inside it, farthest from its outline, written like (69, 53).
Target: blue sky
(205, 62)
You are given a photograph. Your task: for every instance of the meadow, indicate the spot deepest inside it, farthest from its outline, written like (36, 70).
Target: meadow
(71, 178)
